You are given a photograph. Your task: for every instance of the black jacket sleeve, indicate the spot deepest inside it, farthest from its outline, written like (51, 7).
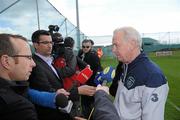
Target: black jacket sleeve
(71, 63)
(81, 64)
(114, 85)
(93, 60)
(104, 108)
(14, 106)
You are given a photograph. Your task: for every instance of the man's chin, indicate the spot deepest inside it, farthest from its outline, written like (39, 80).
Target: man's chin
(27, 77)
(47, 54)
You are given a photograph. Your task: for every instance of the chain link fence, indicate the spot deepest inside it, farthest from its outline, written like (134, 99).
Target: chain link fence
(26, 16)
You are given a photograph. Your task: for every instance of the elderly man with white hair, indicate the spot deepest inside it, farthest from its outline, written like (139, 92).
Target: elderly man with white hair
(142, 88)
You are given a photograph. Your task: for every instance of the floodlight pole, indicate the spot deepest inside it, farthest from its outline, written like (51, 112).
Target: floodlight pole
(37, 10)
(78, 29)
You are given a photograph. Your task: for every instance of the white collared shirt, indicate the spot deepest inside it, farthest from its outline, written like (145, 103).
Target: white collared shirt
(48, 60)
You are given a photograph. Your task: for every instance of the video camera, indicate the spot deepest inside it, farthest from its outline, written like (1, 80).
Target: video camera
(54, 28)
(58, 47)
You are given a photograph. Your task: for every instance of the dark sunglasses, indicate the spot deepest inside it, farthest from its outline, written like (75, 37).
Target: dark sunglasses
(26, 56)
(85, 46)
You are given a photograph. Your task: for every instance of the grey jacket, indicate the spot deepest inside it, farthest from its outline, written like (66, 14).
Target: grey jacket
(104, 108)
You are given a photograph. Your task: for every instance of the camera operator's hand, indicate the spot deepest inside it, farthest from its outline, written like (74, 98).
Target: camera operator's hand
(63, 91)
(86, 90)
(104, 88)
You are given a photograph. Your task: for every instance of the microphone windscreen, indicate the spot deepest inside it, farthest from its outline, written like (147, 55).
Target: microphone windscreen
(61, 100)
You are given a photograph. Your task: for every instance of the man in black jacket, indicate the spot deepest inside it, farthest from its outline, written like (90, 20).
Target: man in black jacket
(103, 109)
(16, 63)
(46, 77)
(89, 56)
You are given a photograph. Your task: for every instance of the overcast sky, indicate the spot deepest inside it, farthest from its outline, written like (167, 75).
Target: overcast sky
(101, 17)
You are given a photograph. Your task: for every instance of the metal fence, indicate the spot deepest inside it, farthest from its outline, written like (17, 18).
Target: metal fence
(151, 42)
(26, 16)
(164, 37)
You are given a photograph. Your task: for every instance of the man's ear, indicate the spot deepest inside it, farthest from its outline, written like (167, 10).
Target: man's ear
(5, 61)
(35, 45)
(133, 44)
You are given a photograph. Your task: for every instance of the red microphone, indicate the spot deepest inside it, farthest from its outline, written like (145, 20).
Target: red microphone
(84, 75)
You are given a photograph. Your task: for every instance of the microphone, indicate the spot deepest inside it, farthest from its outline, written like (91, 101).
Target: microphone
(63, 104)
(61, 100)
(47, 99)
(105, 77)
(84, 75)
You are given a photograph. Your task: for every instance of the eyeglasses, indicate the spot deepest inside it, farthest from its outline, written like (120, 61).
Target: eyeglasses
(85, 46)
(26, 56)
(47, 42)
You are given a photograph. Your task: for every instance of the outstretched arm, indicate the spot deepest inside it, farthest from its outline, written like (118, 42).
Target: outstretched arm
(46, 99)
(104, 108)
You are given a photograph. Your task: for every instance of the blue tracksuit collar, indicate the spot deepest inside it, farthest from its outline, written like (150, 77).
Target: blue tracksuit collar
(140, 57)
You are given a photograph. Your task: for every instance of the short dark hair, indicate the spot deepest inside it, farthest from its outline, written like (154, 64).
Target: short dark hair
(6, 46)
(92, 42)
(37, 34)
(86, 41)
(68, 42)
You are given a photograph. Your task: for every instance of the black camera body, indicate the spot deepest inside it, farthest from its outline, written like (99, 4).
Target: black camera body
(54, 28)
(58, 47)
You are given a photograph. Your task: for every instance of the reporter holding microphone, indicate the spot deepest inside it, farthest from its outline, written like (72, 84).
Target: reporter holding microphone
(104, 109)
